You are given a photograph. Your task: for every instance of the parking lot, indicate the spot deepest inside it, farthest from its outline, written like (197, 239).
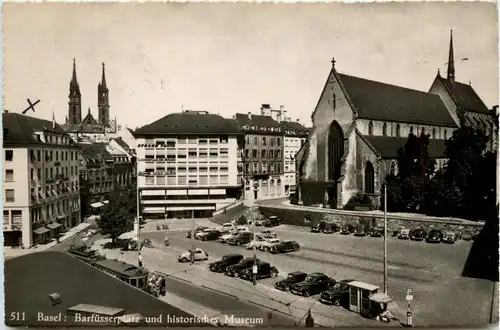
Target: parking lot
(432, 271)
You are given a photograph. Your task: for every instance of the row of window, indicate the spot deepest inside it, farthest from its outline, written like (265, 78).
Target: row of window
(48, 138)
(264, 140)
(60, 208)
(201, 180)
(254, 168)
(183, 169)
(181, 197)
(49, 155)
(14, 217)
(263, 153)
(171, 143)
(434, 135)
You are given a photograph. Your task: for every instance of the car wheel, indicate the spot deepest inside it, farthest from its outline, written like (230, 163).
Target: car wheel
(307, 293)
(266, 248)
(184, 260)
(236, 274)
(336, 302)
(273, 273)
(238, 243)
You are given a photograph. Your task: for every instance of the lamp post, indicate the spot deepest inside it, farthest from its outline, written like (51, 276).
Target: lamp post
(254, 268)
(385, 239)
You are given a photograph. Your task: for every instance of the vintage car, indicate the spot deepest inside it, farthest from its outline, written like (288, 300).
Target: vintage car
(227, 260)
(360, 231)
(285, 246)
(257, 242)
(449, 237)
(268, 244)
(240, 238)
(226, 227)
(330, 228)
(199, 234)
(272, 221)
(224, 238)
(210, 235)
(85, 254)
(313, 284)
(404, 233)
(268, 234)
(377, 231)
(198, 254)
(264, 270)
(318, 227)
(337, 295)
(196, 230)
(417, 234)
(237, 269)
(435, 236)
(290, 280)
(347, 229)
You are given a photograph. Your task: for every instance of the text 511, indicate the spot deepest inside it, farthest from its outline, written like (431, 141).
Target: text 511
(17, 316)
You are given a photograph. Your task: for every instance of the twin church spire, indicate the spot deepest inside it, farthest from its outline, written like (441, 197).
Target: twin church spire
(75, 100)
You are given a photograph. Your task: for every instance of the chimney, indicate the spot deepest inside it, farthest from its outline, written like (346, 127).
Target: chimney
(250, 115)
(6, 111)
(265, 110)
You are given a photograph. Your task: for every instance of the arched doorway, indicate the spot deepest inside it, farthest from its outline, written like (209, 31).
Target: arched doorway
(369, 178)
(335, 153)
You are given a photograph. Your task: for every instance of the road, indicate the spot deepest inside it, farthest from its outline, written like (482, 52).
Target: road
(432, 271)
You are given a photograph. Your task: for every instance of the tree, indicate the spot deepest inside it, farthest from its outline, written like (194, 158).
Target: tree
(117, 216)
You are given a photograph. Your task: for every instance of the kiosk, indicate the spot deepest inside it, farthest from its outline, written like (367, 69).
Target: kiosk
(359, 294)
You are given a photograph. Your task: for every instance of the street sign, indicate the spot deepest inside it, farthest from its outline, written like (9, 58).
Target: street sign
(254, 268)
(409, 297)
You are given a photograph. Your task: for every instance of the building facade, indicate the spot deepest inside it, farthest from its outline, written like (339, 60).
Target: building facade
(295, 135)
(187, 165)
(359, 124)
(41, 186)
(262, 157)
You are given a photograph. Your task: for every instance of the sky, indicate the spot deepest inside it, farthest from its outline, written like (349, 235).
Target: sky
(230, 58)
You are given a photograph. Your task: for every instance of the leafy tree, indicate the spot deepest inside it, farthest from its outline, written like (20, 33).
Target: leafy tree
(117, 216)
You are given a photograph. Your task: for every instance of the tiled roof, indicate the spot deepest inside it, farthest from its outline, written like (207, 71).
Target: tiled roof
(18, 129)
(95, 151)
(89, 120)
(380, 101)
(84, 128)
(256, 120)
(30, 279)
(465, 96)
(189, 123)
(291, 128)
(388, 146)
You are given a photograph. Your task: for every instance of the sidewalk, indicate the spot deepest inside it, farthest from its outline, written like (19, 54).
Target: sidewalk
(10, 252)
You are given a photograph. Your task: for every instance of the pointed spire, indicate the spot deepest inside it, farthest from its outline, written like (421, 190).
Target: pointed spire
(103, 80)
(451, 60)
(74, 87)
(89, 110)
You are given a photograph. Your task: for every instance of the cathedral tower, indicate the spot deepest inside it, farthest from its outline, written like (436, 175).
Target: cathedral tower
(103, 100)
(75, 100)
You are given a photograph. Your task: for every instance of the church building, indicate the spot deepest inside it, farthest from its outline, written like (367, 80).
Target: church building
(89, 128)
(359, 124)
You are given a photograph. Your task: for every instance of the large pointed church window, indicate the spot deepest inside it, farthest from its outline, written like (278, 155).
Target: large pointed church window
(335, 151)
(369, 178)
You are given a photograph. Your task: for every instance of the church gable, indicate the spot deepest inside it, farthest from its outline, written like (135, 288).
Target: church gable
(89, 120)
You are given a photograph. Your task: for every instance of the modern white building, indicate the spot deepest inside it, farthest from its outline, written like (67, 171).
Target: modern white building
(187, 165)
(295, 135)
(40, 180)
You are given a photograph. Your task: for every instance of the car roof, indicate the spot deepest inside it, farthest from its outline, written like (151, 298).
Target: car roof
(317, 274)
(297, 272)
(233, 255)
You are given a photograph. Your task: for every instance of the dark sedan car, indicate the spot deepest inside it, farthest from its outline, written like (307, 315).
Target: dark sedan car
(347, 229)
(241, 238)
(330, 228)
(226, 261)
(435, 236)
(377, 231)
(337, 295)
(417, 234)
(290, 280)
(286, 246)
(211, 235)
(360, 231)
(196, 230)
(264, 270)
(314, 283)
(239, 268)
(318, 227)
(272, 221)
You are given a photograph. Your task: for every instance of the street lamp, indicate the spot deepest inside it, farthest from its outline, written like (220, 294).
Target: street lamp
(385, 239)
(254, 268)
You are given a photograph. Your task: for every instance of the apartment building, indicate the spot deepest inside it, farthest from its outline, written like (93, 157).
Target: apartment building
(295, 135)
(263, 155)
(187, 165)
(41, 186)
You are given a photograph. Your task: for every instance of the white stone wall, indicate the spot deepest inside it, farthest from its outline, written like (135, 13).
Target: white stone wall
(437, 132)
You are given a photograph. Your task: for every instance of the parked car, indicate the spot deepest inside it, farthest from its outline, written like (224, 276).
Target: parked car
(226, 237)
(198, 254)
(314, 283)
(404, 233)
(290, 280)
(199, 234)
(226, 261)
(259, 222)
(196, 230)
(268, 234)
(417, 234)
(377, 231)
(264, 270)
(330, 228)
(237, 269)
(241, 238)
(347, 229)
(268, 244)
(337, 295)
(257, 242)
(435, 236)
(272, 221)
(360, 231)
(449, 237)
(210, 235)
(226, 227)
(285, 246)
(318, 228)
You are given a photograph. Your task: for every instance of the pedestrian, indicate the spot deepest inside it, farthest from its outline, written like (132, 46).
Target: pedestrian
(140, 259)
(191, 256)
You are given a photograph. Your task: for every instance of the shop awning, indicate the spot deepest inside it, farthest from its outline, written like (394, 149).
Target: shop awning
(54, 225)
(97, 205)
(41, 230)
(154, 210)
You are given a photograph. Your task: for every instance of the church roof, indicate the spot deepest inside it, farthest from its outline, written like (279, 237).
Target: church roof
(190, 122)
(388, 146)
(464, 96)
(381, 101)
(84, 128)
(18, 129)
(89, 119)
(122, 143)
